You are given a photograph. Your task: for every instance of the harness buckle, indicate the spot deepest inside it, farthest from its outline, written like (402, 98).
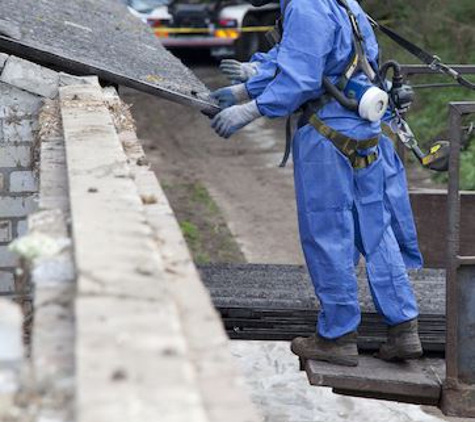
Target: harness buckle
(435, 65)
(356, 27)
(403, 131)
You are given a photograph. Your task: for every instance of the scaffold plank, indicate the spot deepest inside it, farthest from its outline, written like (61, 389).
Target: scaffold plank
(417, 381)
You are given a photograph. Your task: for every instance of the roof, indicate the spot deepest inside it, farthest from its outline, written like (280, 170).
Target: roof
(98, 37)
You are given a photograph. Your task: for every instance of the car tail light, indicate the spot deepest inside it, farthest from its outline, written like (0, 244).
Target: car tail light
(227, 33)
(157, 23)
(227, 28)
(160, 27)
(227, 23)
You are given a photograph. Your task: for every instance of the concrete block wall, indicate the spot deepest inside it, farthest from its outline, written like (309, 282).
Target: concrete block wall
(23, 87)
(11, 357)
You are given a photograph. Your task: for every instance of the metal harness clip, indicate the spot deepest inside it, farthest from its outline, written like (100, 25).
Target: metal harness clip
(405, 134)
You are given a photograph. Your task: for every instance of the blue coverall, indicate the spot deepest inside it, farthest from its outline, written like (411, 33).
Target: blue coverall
(337, 205)
(396, 193)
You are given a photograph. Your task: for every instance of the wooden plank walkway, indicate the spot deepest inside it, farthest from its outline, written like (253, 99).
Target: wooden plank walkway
(417, 381)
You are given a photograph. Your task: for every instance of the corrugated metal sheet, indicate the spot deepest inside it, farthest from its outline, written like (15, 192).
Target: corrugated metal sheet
(97, 37)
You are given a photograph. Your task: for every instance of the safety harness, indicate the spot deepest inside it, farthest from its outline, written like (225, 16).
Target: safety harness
(433, 61)
(347, 146)
(358, 63)
(437, 158)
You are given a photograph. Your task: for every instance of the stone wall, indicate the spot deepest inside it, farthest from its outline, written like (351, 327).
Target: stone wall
(23, 86)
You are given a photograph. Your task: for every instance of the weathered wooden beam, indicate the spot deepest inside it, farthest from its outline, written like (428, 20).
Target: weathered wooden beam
(417, 381)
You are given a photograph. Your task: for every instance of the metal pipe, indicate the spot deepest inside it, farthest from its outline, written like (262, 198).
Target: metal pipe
(438, 86)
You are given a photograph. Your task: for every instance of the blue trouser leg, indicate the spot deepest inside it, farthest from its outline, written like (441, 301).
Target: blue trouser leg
(396, 198)
(324, 191)
(398, 205)
(390, 286)
(334, 203)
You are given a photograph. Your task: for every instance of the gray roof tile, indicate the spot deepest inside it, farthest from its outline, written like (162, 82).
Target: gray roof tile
(97, 37)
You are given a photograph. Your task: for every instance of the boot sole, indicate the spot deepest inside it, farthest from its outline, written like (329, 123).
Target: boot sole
(411, 355)
(334, 360)
(397, 357)
(343, 362)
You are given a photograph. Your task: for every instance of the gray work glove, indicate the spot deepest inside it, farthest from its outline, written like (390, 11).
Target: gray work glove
(234, 118)
(238, 72)
(231, 95)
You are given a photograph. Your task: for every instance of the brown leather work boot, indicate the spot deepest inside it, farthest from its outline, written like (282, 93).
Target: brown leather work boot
(341, 351)
(403, 343)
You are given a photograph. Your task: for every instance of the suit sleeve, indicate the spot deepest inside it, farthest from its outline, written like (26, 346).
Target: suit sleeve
(262, 58)
(308, 40)
(267, 71)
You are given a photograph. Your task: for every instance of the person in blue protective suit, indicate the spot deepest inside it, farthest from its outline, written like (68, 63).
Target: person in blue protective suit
(340, 204)
(252, 78)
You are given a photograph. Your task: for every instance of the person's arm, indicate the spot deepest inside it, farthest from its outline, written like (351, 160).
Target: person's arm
(262, 58)
(238, 72)
(308, 39)
(255, 85)
(266, 73)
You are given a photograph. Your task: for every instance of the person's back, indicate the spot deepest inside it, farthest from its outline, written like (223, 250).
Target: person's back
(349, 122)
(318, 41)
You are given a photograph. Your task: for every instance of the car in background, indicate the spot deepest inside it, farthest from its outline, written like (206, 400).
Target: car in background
(150, 12)
(228, 28)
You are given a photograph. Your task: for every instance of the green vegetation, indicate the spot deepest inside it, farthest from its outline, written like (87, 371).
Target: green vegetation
(202, 223)
(194, 240)
(190, 231)
(446, 28)
(201, 195)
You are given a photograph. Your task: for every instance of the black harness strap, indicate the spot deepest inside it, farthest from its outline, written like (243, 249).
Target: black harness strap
(274, 36)
(425, 57)
(358, 41)
(288, 141)
(358, 62)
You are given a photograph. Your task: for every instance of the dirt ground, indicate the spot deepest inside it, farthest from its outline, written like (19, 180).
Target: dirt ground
(241, 174)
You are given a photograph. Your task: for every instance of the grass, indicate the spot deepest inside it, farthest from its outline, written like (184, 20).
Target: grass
(201, 195)
(190, 231)
(194, 240)
(202, 223)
